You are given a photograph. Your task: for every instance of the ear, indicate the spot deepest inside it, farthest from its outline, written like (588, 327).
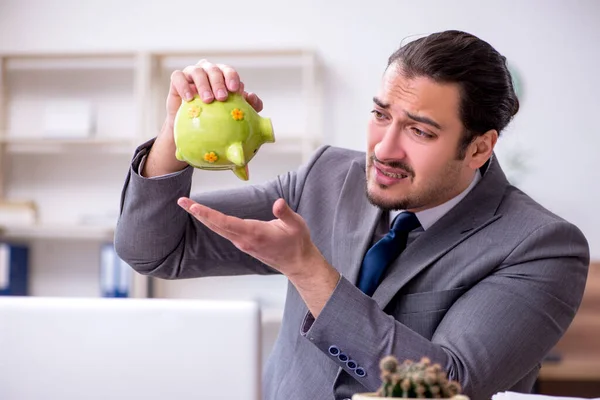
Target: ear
(481, 148)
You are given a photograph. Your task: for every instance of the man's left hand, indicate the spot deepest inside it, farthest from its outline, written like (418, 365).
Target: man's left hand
(283, 243)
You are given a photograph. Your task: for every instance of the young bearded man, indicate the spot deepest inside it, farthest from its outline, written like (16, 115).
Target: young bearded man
(417, 247)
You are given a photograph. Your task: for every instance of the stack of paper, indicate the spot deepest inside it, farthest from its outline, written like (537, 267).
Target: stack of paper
(523, 396)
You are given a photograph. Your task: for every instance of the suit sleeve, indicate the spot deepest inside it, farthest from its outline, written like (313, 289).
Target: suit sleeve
(160, 239)
(491, 337)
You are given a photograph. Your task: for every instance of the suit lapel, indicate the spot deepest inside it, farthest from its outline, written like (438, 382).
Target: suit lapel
(354, 223)
(473, 213)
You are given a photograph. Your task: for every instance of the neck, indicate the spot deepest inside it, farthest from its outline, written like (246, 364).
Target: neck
(465, 182)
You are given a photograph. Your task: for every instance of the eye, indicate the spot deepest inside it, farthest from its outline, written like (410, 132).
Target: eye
(377, 114)
(421, 133)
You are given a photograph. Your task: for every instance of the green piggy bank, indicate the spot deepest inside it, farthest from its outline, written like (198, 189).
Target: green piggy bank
(220, 135)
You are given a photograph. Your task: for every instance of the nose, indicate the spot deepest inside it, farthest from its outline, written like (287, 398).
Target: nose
(390, 147)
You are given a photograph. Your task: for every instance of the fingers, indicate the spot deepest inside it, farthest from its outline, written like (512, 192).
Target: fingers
(216, 80)
(232, 79)
(200, 78)
(254, 101)
(282, 211)
(224, 225)
(181, 87)
(211, 81)
(185, 203)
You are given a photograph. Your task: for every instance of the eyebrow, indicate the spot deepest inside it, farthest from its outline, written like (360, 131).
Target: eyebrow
(418, 118)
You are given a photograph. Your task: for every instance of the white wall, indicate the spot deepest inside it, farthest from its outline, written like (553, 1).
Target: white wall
(554, 44)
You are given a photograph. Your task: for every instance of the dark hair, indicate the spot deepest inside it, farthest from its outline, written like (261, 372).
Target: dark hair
(488, 99)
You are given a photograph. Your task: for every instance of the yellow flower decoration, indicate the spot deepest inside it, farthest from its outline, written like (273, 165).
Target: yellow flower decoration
(211, 157)
(194, 111)
(237, 114)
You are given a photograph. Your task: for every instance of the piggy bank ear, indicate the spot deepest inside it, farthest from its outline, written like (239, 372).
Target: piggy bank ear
(235, 154)
(242, 172)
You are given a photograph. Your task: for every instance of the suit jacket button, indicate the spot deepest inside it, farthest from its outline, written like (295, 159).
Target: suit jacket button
(351, 364)
(360, 372)
(334, 351)
(343, 357)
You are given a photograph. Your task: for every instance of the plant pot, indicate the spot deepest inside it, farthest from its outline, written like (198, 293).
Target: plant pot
(373, 396)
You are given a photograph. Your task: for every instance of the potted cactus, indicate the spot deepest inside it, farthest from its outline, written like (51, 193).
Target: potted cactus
(413, 380)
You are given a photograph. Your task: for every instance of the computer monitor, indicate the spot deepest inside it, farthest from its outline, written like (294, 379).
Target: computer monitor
(124, 349)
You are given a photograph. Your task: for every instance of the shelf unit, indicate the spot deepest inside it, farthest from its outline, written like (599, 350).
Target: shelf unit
(72, 232)
(75, 179)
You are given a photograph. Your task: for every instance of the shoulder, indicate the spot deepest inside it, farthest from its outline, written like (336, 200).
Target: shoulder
(327, 170)
(330, 162)
(331, 154)
(519, 211)
(527, 217)
(520, 205)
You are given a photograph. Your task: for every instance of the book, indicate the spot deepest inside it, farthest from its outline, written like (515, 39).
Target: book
(14, 269)
(116, 276)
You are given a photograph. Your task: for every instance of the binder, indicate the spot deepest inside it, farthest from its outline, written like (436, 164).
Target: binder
(116, 276)
(14, 269)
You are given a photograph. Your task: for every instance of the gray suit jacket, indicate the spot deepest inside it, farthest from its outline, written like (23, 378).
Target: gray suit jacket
(486, 291)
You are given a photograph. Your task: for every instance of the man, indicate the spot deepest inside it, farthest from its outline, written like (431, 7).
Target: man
(418, 247)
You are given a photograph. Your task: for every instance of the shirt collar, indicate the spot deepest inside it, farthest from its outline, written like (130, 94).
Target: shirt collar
(430, 216)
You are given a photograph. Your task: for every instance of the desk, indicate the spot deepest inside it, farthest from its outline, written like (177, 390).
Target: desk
(571, 378)
(572, 369)
(578, 371)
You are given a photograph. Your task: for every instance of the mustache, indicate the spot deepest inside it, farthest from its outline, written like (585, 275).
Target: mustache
(393, 164)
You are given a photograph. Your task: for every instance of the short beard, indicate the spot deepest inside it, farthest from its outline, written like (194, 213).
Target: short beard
(397, 204)
(435, 192)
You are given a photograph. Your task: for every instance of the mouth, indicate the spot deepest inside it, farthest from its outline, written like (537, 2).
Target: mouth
(394, 175)
(391, 171)
(387, 176)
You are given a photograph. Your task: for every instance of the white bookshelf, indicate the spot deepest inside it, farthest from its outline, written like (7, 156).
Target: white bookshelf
(24, 144)
(75, 178)
(66, 61)
(74, 232)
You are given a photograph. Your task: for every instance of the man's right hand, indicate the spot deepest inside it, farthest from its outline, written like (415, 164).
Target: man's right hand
(212, 82)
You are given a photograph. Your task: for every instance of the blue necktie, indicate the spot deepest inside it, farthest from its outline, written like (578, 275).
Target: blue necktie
(385, 251)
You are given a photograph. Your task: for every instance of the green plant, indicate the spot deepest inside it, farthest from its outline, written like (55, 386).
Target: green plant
(421, 380)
